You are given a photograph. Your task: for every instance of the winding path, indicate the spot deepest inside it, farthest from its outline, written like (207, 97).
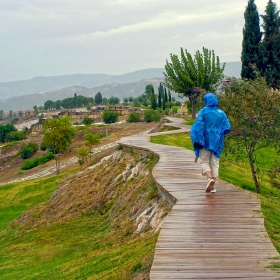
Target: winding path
(205, 236)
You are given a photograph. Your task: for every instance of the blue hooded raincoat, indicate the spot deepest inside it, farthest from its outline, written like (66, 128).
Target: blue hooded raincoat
(210, 127)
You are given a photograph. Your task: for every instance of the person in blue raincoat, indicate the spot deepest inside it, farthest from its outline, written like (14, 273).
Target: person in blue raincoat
(207, 134)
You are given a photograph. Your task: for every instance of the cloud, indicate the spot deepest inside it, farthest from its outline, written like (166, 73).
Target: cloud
(113, 36)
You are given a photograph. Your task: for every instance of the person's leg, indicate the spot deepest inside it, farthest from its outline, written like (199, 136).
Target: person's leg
(205, 163)
(205, 159)
(214, 165)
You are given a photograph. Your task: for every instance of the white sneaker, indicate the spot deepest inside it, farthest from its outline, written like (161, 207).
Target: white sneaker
(213, 190)
(210, 184)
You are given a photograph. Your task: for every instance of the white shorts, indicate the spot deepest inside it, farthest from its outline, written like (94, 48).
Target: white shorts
(209, 162)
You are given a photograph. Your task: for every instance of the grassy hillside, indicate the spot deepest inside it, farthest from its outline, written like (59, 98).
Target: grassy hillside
(88, 224)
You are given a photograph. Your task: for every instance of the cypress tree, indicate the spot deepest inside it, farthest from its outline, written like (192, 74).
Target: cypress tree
(169, 96)
(271, 45)
(75, 100)
(251, 51)
(159, 96)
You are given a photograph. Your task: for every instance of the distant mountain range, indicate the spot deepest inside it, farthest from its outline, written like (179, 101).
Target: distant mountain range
(22, 95)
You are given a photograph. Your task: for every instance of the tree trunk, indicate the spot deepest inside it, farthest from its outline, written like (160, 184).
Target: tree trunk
(57, 163)
(257, 185)
(193, 102)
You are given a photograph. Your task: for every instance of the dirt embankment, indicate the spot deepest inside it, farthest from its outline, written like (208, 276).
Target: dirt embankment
(10, 161)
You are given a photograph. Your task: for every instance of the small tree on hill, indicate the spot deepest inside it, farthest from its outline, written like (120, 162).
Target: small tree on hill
(58, 133)
(91, 139)
(253, 110)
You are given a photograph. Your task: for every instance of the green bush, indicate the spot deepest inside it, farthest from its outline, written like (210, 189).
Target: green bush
(88, 120)
(134, 117)
(43, 147)
(31, 163)
(28, 150)
(15, 136)
(110, 116)
(151, 116)
(4, 130)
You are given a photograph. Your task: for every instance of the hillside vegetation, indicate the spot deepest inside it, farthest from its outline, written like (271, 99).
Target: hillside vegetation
(99, 223)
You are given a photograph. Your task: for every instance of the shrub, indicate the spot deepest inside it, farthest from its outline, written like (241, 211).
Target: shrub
(15, 136)
(28, 150)
(134, 117)
(4, 130)
(31, 163)
(43, 147)
(151, 116)
(14, 120)
(110, 116)
(88, 120)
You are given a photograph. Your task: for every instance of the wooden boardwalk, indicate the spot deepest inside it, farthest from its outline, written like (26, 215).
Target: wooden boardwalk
(205, 236)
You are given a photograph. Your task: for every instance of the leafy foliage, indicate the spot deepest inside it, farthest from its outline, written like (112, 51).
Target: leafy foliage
(92, 139)
(254, 113)
(271, 45)
(82, 155)
(151, 116)
(31, 163)
(134, 117)
(15, 136)
(98, 98)
(192, 75)
(5, 130)
(28, 150)
(88, 120)
(58, 132)
(113, 100)
(110, 116)
(251, 41)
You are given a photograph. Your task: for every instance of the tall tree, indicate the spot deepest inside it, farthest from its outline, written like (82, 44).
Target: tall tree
(75, 100)
(48, 105)
(169, 96)
(153, 100)
(57, 104)
(98, 98)
(271, 45)
(58, 133)
(253, 110)
(251, 51)
(203, 70)
(36, 110)
(149, 90)
(160, 91)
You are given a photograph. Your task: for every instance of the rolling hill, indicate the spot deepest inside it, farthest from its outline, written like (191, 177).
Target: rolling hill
(23, 95)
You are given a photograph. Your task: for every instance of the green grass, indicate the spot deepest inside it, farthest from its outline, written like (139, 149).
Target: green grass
(77, 249)
(87, 246)
(239, 174)
(19, 197)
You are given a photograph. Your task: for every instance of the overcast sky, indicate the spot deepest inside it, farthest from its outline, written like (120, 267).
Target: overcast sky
(57, 37)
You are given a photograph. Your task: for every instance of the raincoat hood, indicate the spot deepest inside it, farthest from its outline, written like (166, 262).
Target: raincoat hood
(210, 100)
